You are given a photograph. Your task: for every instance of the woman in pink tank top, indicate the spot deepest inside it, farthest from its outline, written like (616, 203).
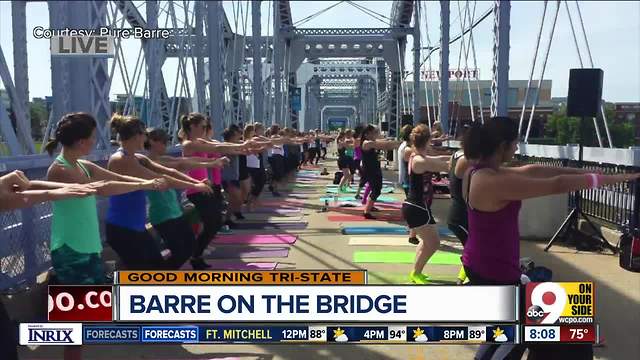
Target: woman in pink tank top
(209, 206)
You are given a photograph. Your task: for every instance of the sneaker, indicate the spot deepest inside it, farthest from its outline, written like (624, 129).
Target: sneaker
(420, 279)
(239, 216)
(462, 276)
(414, 240)
(375, 209)
(225, 230)
(357, 197)
(369, 216)
(231, 224)
(199, 264)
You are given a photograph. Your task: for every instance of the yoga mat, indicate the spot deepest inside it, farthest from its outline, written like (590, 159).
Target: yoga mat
(230, 252)
(236, 265)
(387, 190)
(380, 277)
(372, 230)
(271, 217)
(276, 211)
(387, 199)
(380, 241)
(385, 230)
(404, 257)
(357, 205)
(278, 220)
(360, 217)
(260, 226)
(256, 239)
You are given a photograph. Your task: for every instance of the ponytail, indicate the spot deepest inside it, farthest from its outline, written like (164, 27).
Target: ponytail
(51, 146)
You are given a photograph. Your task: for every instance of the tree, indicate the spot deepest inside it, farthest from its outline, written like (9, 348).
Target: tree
(39, 116)
(566, 130)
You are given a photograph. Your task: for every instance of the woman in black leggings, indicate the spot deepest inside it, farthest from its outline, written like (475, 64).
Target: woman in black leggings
(370, 144)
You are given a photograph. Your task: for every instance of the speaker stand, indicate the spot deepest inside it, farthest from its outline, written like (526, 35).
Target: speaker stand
(570, 224)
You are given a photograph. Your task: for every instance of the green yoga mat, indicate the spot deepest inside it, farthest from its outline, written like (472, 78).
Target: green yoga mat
(404, 257)
(380, 277)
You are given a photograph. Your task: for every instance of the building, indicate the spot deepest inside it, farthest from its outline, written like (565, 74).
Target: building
(460, 109)
(629, 112)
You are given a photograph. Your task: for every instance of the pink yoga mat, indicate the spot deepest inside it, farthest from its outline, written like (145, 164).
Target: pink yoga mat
(256, 239)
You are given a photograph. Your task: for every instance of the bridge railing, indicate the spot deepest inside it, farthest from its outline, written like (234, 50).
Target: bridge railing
(612, 204)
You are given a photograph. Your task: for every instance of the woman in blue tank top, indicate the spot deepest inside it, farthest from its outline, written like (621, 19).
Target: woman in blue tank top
(127, 215)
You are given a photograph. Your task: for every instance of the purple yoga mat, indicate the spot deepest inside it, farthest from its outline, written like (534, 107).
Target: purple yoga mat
(255, 239)
(234, 252)
(236, 265)
(259, 226)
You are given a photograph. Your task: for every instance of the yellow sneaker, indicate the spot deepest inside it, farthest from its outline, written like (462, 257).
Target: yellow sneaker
(462, 276)
(420, 278)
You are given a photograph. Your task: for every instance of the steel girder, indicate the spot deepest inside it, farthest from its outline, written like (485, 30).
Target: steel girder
(153, 51)
(88, 89)
(401, 12)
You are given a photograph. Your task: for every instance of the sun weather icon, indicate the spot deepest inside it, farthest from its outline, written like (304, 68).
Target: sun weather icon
(419, 335)
(499, 336)
(339, 335)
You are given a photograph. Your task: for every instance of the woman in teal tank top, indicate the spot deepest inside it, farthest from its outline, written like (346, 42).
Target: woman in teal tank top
(165, 212)
(16, 192)
(76, 247)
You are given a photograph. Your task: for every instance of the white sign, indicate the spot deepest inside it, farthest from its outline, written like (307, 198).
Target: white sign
(317, 303)
(51, 334)
(453, 74)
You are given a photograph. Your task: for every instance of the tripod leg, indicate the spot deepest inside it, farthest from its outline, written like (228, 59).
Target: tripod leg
(598, 233)
(561, 229)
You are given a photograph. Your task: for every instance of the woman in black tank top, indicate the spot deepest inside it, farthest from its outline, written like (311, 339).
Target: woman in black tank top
(370, 145)
(416, 209)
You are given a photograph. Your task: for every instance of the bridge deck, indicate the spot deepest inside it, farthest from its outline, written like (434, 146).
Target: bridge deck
(322, 246)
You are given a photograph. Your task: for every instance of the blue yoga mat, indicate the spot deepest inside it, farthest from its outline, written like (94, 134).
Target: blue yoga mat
(386, 230)
(370, 230)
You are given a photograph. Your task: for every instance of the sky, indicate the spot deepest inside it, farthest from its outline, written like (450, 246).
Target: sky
(612, 29)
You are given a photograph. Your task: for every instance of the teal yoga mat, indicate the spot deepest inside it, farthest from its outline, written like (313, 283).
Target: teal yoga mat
(386, 230)
(370, 230)
(351, 198)
(405, 257)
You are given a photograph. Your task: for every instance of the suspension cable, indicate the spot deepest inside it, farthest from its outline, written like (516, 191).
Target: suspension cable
(371, 13)
(544, 66)
(316, 14)
(475, 66)
(575, 41)
(466, 50)
(584, 34)
(533, 65)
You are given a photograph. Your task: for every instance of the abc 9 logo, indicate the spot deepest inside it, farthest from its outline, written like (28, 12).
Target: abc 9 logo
(546, 299)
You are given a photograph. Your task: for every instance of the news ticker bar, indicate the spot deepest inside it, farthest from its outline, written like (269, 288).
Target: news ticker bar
(373, 334)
